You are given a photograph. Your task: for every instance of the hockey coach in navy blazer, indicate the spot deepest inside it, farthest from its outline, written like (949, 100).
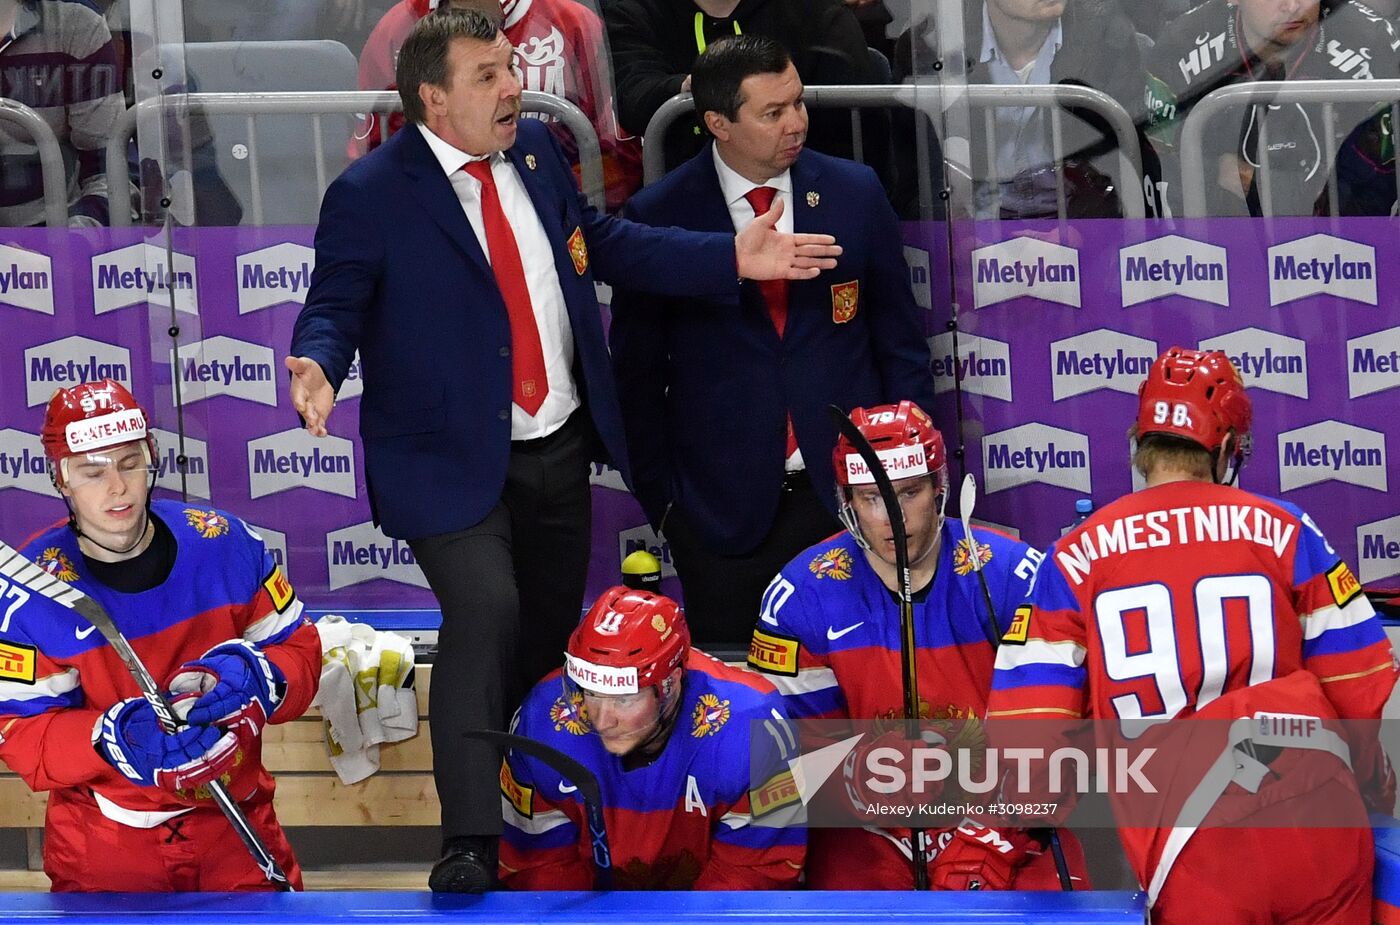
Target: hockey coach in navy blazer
(459, 259)
(725, 397)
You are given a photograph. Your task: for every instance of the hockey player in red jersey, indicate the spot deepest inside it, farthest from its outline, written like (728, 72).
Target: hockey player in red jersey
(828, 636)
(202, 602)
(559, 49)
(1194, 599)
(665, 728)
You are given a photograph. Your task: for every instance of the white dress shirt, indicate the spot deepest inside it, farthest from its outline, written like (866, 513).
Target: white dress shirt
(541, 280)
(733, 187)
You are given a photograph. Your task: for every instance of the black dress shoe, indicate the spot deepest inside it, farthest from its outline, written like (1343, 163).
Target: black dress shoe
(467, 865)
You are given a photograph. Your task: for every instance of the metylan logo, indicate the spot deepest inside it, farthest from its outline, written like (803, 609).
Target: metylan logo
(362, 552)
(1173, 265)
(70, 361)
(1373, 363)
(26, 279)
(982, 365)
(274, 276)
(1036, 453)
(1025, 266)
(1100, 359)
(296, 459)
(1322, 264)
(1378, 549)
(142, 273)
(22, 463)
(225, 366)
(1266, 360)
(1331, 451)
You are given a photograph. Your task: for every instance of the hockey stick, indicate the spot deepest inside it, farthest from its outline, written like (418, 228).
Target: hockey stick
(21, 570)
(905, 593)
(967, 500)
(582, 778)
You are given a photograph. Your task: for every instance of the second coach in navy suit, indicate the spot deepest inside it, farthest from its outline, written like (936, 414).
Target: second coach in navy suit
(458, 258)
(725, 398)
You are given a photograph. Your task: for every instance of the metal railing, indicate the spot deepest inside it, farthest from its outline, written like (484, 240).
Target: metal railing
(326, 103)
(1195, 183)
(51, 170)
(930, 98)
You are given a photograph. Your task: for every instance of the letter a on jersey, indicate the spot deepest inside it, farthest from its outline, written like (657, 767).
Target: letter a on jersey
(692, 797)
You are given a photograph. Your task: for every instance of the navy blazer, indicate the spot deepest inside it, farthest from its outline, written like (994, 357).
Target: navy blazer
(706, 385)
(400, 276)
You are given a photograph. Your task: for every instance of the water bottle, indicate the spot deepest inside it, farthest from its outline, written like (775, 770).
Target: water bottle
(1083, 507)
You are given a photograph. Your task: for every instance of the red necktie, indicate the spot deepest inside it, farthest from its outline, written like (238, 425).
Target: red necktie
(527, 356)
(775, 291)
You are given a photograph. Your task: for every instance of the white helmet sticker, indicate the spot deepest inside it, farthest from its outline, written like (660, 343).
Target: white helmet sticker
(106, 430)
(600, 679)
(899, 463)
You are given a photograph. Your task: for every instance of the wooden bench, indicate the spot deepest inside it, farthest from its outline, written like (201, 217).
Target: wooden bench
(309, 793)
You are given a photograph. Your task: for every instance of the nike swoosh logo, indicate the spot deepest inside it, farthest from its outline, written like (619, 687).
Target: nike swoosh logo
(83, 634)
(833, 634)
(565, 788)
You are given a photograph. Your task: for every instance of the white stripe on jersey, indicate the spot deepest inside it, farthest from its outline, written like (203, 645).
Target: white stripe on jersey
(1333, 617)
(54, 685)
(808, 680)
(273, 623)
(541, 823)
(735, 820)
(1039, 652)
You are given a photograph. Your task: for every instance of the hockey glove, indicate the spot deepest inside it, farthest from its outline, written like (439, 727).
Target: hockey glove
(239, 687)
(979, 858)
(129, 737)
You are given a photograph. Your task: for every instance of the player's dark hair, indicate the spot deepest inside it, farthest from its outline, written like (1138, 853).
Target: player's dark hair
(721, 69)
(423, 57)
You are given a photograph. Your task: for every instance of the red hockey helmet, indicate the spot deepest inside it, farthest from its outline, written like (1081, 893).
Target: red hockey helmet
(89, 418)
(1197, 396)
(902, 435)
(629, 640)
(908, 445)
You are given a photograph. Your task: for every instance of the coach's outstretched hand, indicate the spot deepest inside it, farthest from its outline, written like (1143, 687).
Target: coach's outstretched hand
(763, 252)
(312, 394)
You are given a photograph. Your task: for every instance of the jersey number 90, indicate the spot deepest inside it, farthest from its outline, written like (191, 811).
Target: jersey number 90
(1161, 659)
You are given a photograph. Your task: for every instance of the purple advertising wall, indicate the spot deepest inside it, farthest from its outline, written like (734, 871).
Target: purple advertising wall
(1059, 323)
(1056, 325)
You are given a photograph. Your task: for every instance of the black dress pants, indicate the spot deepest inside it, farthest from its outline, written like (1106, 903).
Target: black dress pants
(511, 590)
(723, 590)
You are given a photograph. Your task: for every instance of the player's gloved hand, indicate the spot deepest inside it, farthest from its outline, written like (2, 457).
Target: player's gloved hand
(979, 858)
(238, 686)
(129, 737)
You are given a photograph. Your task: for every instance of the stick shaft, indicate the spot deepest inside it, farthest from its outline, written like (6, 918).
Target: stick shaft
(908, 666)
(19, 569)
(582, 778)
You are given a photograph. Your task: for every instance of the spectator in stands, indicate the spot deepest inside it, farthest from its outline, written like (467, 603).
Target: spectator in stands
(559, 49)
(655, 44)
(1223, 42)
(725, 401)
(57, 56)
(1015, 42)
(459, 259)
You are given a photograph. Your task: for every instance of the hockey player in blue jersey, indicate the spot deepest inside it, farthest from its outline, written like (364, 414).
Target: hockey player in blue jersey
(213, 618)
(828, 635)
(665, 728)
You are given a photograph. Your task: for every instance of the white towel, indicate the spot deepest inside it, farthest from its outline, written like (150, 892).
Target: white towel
(366, 694)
